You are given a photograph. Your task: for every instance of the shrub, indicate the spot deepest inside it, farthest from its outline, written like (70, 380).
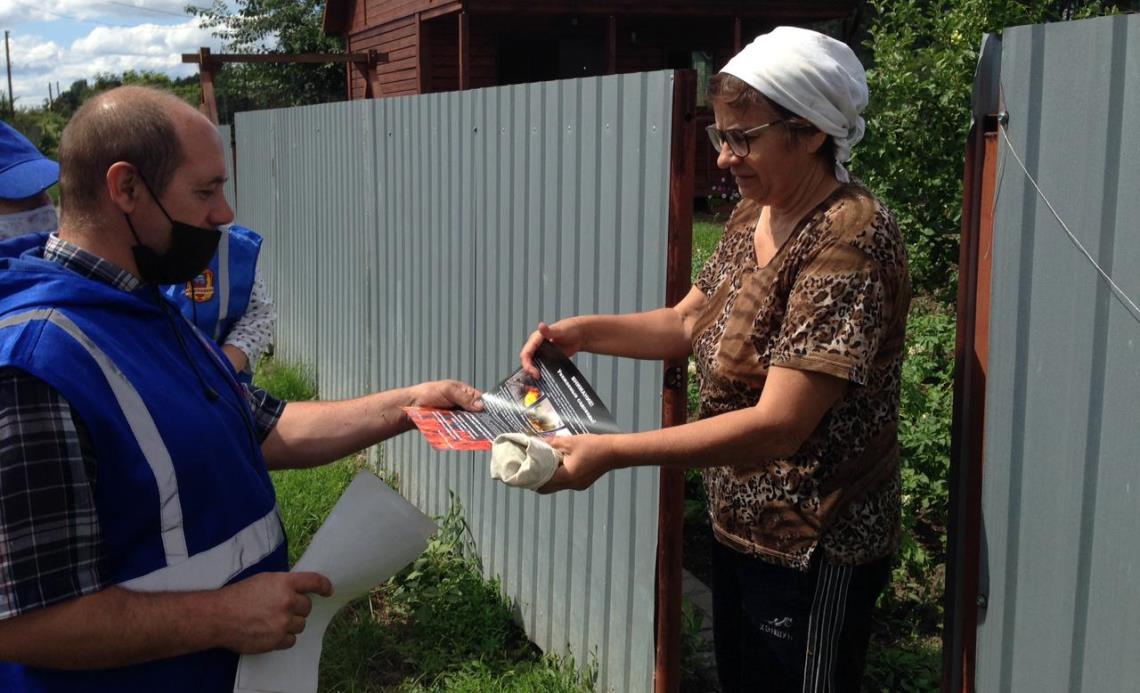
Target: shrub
(926, 408)
(921, 58)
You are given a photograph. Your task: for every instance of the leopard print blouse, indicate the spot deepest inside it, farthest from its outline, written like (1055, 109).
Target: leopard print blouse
(833, 299)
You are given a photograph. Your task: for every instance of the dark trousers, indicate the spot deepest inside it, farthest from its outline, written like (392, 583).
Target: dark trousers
(777, 629)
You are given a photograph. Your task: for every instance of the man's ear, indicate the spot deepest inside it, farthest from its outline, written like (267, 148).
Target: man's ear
(123, 186)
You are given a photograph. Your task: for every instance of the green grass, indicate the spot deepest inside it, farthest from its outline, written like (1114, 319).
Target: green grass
(290, 382)
(438, 626)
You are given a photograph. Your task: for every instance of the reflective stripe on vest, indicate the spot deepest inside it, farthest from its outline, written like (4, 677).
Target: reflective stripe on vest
(215, 567)
(223, 284)
(142, 427)
(209, 569)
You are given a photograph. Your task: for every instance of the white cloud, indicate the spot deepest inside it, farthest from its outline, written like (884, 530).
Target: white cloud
(36, 61)
(143, 40)
(15, 12)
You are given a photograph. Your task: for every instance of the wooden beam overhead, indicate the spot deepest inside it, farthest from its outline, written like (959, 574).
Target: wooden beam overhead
(320, 58)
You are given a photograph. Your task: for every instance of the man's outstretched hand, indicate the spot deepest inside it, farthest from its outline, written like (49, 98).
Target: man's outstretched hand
(446, 394)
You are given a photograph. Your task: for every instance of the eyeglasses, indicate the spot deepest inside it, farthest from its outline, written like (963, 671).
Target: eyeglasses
(739, 141)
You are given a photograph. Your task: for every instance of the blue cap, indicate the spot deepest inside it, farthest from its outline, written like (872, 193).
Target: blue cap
(24, 172)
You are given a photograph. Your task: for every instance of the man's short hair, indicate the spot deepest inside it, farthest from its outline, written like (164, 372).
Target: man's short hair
(131, 124)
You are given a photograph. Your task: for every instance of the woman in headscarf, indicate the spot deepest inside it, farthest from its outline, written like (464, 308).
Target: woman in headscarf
(797, 324)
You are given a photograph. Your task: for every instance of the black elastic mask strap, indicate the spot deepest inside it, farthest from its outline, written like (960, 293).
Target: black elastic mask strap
(132, 228)
(153, 197)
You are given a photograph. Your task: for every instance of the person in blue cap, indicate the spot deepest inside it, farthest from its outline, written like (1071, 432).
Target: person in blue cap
(141, 547)
(25, 176)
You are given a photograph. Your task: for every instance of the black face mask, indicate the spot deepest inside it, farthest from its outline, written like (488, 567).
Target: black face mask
(191, 248)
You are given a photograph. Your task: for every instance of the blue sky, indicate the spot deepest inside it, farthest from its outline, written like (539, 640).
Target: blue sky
(65, 40)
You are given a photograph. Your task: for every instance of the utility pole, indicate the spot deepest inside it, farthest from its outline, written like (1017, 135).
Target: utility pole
(51, 100)
(8, 58)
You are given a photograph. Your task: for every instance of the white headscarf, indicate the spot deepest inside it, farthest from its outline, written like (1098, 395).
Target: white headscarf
(814, 76)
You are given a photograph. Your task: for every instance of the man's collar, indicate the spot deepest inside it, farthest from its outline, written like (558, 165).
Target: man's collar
(72, 257)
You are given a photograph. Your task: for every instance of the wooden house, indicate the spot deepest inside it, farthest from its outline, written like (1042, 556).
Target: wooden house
(423, 46)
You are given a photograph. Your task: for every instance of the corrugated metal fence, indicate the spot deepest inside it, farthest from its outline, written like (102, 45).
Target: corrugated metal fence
(1061, 487)
(423, 237)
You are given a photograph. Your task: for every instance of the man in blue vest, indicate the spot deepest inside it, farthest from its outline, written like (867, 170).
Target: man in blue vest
(140, 543)
(228, 300)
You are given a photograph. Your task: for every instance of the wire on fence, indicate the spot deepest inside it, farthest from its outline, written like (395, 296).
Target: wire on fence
(1129, 304)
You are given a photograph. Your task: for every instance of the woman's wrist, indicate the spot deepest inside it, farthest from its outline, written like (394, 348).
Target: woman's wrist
(620, 450)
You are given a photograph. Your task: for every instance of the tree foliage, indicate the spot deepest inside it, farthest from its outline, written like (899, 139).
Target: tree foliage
(921, 57)
(273, 26)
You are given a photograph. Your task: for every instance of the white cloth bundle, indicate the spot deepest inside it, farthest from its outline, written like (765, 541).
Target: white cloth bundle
(812, 75)
(521, 460)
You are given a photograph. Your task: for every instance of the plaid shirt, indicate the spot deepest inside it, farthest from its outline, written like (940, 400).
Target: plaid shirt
(50, 543)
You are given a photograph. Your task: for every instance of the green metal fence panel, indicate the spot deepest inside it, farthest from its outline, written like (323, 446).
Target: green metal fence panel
(424, 237)
(1062, 469)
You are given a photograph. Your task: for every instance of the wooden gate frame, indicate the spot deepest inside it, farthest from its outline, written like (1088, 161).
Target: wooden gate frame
(209, 64)
(674, 409)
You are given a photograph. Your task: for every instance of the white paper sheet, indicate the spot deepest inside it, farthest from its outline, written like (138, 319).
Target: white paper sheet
(371, 534)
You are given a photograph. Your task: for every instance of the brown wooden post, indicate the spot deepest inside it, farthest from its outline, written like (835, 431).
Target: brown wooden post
(208, 103)
(965, 596)
(367, 71)
(421, 56)
(674, 409)
(737, 35)
(611, 45)
(464, 52)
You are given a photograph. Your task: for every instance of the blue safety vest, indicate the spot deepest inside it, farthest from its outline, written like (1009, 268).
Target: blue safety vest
(219, 296)
(183, 496)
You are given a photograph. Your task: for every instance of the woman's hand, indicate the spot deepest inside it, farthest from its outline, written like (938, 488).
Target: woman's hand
(585, 458)
(564, 334)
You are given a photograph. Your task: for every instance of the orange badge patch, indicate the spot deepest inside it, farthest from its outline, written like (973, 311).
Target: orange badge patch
(200, 288)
